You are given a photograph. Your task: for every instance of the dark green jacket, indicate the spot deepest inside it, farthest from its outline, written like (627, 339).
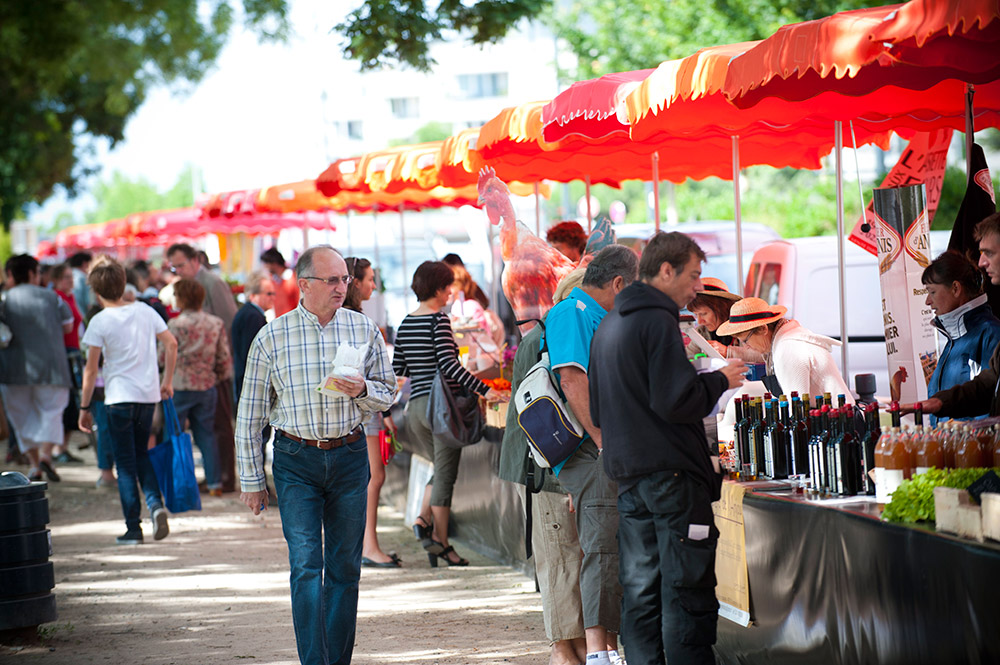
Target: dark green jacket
(514, 456)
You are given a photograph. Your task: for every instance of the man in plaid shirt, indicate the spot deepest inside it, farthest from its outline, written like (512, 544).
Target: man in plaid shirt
(320, 464)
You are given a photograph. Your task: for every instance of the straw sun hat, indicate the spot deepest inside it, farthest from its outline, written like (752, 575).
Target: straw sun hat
(710, 286)
(750, 313)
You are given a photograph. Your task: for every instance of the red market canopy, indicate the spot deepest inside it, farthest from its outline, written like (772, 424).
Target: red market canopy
(899, 66)
(589, 108)
(83, 236)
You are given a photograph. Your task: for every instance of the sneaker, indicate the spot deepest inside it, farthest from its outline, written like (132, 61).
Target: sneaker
(67, 458)
(160, 524)
(105, 484)
(130, 538)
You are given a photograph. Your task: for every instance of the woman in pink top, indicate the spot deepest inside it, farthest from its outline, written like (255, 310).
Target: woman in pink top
(203, 359)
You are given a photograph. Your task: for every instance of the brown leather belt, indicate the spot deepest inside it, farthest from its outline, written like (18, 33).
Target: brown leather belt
(325, 444)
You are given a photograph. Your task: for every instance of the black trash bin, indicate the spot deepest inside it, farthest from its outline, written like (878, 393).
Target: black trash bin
(26, 575)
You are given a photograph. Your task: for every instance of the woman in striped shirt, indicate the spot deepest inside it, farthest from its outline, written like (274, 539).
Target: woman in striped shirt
(425, 344)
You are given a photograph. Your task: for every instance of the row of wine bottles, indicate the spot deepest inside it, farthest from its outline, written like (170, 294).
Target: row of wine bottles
(833, 445)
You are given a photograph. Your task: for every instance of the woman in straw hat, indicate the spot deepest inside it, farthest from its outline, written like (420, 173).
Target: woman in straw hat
(799, 358)
(711, 306)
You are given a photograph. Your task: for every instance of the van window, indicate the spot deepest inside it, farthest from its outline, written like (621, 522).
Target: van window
(770, 279)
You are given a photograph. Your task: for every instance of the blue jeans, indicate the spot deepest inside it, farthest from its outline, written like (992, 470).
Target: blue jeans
(198, 407)
(129, 424)
(105, 452)
(667, 540)
(323, 501)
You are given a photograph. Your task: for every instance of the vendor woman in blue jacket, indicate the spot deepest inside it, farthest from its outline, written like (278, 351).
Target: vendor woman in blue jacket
(955, 293)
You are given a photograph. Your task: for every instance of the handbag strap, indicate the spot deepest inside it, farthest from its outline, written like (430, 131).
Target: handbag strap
(171, 422)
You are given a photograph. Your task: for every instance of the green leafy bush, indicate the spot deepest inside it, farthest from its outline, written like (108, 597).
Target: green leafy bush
(913, 501)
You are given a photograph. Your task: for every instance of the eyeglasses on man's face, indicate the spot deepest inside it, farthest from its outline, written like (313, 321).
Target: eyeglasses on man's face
(750, 334)
(333, 281)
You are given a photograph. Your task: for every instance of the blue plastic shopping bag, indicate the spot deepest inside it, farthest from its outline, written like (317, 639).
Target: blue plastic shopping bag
(173, 462)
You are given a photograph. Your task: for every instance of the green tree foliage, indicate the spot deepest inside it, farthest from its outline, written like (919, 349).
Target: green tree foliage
(75, 70)
(383, 33)
(432, 131)
(610, 36)
(119, 196)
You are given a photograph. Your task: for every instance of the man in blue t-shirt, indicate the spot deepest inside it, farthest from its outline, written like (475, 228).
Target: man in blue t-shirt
(569, 328)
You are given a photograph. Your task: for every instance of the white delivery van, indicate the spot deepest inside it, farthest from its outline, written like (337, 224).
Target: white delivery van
(801, 274)
(716, 238)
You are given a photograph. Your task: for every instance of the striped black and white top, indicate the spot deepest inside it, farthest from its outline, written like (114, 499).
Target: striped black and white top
(425, 343)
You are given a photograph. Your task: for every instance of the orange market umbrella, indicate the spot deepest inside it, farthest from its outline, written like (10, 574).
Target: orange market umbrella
(293, 197)
(458, 160)
(339, 175)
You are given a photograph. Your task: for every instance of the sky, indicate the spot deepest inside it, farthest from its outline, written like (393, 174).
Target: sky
(256, 119)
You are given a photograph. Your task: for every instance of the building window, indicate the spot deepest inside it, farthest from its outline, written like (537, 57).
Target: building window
(353, 128)
(482, 85)
(404, 107)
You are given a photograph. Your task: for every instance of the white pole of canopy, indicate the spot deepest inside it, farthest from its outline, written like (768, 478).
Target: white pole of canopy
(305, 237)
(838, 147)
(347, 223)
(656, 191)
(586, 180)
(402, 244)
(378, 264)
(738, 214)
(538, 212)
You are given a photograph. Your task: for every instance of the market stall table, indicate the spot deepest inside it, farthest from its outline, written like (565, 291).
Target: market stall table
(830, 582)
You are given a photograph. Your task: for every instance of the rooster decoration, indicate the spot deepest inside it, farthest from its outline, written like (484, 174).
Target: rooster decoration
(532, 268)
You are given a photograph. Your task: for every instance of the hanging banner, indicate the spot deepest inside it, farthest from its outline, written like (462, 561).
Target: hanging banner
(923, 161)
(903, 241)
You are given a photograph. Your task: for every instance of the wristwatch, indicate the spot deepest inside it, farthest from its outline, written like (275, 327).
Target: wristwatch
(85, 408)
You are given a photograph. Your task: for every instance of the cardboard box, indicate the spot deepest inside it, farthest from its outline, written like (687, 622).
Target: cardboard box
(991, 515)
(957, 513)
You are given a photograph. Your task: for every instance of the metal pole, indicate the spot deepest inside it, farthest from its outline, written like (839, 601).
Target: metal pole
(738, 215)
(656, 191)
(538, 212)
(586, 180)
(402, 243)
(378, 273)
(970, 129)
(838, 142)
(347, 223)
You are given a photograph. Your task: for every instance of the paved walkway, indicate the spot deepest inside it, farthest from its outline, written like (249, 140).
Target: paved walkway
(216, 591)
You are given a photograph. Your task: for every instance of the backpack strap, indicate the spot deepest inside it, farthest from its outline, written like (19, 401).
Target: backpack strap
(533, 482)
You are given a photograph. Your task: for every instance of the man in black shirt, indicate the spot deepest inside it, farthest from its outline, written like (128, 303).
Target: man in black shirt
(649, 402)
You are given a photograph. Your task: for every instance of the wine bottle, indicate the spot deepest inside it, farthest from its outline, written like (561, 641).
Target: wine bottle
(756, 440)
(800, 438)
(783, 465)
(834, 464)
(768, 470)
(850, 454)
